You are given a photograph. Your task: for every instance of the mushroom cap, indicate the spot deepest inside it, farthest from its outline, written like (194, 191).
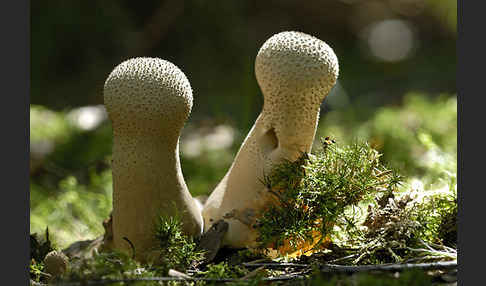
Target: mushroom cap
(295, 72)
(56, 263)
(151, 90)
(297, 62)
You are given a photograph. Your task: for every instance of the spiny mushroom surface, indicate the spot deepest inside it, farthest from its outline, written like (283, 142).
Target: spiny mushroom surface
(295, 72)
(148, 101)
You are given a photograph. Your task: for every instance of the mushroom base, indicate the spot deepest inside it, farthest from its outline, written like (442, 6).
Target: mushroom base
(241, 194)
(148, 183)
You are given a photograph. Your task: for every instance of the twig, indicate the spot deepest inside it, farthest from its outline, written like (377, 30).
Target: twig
(275, 265)
(253, 273)
(258, 261)
(343, 258)
(452, 255)
(175, 273)
(349, 268)
(439, 246)
(389, 267)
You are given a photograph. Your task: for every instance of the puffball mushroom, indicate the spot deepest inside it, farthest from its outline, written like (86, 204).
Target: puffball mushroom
(56, 263)
(148, 101)
(295, 72)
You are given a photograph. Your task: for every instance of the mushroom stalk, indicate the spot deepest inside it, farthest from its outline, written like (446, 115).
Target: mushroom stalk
(295, 72)
(148, 101)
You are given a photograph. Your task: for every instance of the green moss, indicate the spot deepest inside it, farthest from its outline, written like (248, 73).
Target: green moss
(175, 250)
(345, 194)
(317, 192)
(447, 230)
(75, 211)
(437, 215)
(110, 265)
(406, 229)
(223, 270)
(335, 184)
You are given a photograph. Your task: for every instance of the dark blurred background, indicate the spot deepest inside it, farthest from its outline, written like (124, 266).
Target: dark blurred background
(396, 86)
(385, 47)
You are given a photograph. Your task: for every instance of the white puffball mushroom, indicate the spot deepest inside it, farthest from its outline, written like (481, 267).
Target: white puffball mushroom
(295, 72)
(148, 101)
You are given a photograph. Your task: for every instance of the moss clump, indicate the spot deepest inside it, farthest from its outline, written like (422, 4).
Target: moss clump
(175, 250)
(317, 193)
(76, 210)
(391, 228)
(407, 228)
(347, 196)
(448, 227)
(438, 216)
(224, 270)
(110, 265)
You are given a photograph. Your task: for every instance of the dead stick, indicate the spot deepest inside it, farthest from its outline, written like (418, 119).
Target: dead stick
(389, 267)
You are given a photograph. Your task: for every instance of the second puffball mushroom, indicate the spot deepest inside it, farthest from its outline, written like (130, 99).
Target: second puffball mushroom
(295, 72)
(148, 101)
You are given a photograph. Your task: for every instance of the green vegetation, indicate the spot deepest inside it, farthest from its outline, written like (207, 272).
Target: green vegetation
(352, 185)
(73, 211)
(176, 250)
(39, 248)
(179, 252)
(71, 182)
(405, 229)
(406, 110)
(315, 192)
(438, 216)
(112, 265)
(345, 195)
(417, 136)
(35, 270)
(223, 270)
